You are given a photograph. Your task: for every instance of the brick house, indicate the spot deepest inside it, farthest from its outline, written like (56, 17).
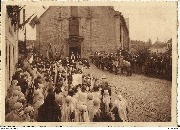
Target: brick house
(82, 30)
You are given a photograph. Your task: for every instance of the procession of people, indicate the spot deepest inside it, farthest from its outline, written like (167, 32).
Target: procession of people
(143, 62)
(59, 91)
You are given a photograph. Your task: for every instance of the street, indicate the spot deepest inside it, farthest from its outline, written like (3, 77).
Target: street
(149, 99)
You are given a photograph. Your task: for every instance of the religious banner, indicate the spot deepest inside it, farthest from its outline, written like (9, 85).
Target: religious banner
(77, 79)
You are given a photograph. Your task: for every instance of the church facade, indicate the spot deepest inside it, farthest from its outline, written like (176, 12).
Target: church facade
(82, 30)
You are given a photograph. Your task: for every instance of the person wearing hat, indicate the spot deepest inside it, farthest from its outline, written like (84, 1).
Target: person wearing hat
(16, 114)
(28, 114)
(105, 86)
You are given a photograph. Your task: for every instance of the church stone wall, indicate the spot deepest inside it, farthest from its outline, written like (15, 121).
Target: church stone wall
(98, 25)
(99, 30)
(53, 30)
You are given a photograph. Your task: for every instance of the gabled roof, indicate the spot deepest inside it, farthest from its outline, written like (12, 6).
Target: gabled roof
(44, 12)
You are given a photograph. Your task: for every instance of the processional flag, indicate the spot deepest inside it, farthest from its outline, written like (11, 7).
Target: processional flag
(25, 22)
(34, 21)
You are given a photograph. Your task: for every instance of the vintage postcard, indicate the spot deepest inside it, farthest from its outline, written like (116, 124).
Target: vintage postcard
(89, 63)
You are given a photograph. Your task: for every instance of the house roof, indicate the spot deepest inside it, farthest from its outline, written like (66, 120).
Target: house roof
(158, 44)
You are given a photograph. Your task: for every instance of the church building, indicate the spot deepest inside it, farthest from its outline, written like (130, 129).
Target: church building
(82, 30)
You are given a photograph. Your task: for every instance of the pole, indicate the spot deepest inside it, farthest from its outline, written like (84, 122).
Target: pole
(23, 15)
(39, 43)
(25, 36)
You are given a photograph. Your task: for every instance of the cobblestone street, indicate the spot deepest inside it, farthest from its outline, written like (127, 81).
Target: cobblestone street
(149, 99)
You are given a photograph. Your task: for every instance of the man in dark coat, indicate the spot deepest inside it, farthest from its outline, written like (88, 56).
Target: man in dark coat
(49, 111)
(23, 83)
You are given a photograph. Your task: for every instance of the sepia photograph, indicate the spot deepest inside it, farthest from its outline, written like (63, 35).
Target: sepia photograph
(114, 63)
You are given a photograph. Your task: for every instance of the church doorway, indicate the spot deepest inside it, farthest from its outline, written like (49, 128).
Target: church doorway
(76, 51)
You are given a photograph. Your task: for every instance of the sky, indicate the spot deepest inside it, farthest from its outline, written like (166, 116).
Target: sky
(147, 20)
(30, 10)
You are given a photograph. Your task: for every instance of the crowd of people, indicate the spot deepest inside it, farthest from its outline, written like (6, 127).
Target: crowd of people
(45, 91)
(112, 62)
(142, 62)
